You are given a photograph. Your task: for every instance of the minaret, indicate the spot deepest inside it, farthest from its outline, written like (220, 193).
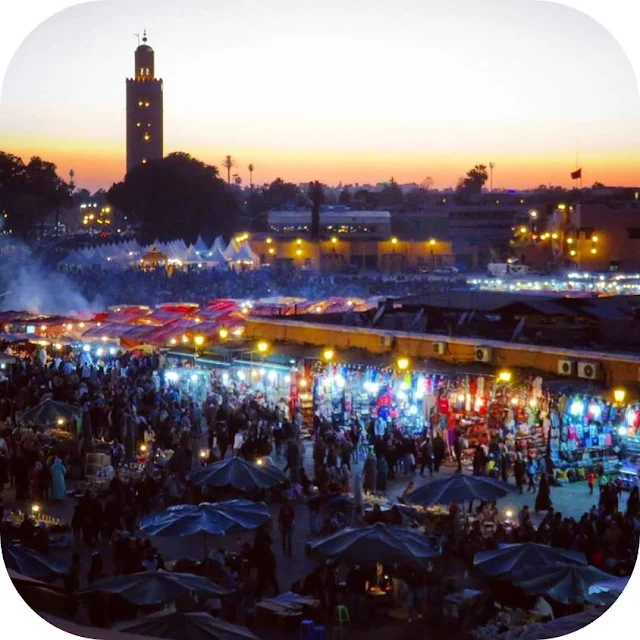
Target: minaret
(144, 110)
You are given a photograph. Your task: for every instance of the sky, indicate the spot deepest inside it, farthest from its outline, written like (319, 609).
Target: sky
(350, 91)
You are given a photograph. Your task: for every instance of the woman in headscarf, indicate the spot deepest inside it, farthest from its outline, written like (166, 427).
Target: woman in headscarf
(34, 481)
(370, 470)
(382, 476)
(58, 484)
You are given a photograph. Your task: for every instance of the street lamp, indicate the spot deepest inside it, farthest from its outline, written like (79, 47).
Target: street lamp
(262, 346)
(223, 333)
(198, 341)
(403, 363)
(328, 354)
(505, 376)
(619, 395)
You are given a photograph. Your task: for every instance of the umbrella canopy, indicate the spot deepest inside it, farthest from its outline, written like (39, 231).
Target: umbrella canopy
(155, 587)
(606, 592)
(31, 564)
(554, 629)
(383, 543)
(515, 557)
(215, 518)
(50, 412)
(566, 584)
(181, 625)
(459, 488)
(239, 474)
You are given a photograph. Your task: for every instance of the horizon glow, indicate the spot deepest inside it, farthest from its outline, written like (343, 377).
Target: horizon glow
(352, 94)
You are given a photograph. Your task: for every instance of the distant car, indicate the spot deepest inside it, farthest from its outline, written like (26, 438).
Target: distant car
(446, 271)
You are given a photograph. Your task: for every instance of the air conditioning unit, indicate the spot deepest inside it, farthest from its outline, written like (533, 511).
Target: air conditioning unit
(439, 348)
(386, 341)
(567, 367)
(589, 370)
(484, 354)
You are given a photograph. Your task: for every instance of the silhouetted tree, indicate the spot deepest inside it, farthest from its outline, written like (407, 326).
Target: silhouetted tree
(344, 197)
(316, 196)
(228, 164)
(366, 199)
(176, 197)
(474, 181)
(391, 195)
(282, 194)
(29, 193)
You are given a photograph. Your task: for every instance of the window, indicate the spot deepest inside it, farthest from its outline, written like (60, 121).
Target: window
(614, 265)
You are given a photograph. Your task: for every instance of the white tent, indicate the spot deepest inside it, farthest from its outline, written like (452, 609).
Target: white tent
(200, 246)
(244, 256)
(218, 246)
(231, 251)
(190, 256)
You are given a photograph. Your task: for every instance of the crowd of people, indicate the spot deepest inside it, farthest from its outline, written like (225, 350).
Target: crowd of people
(202, 285)
(127, 409)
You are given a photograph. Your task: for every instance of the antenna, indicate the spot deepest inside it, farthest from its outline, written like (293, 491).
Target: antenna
(137, 35)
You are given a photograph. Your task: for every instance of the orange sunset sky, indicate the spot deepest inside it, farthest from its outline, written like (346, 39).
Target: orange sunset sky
(340, 92)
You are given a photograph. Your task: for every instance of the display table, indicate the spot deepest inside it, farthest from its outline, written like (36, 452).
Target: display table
(287, 605)
(454, 604)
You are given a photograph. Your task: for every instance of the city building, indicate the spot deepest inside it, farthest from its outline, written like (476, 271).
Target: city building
(589, 237)
(144, 110)
(336, 220)
(343, 254)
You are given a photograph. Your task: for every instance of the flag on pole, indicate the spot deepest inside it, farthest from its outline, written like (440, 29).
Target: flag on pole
(577, 174)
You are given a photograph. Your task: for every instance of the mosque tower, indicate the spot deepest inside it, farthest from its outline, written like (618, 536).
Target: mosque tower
(144, 110)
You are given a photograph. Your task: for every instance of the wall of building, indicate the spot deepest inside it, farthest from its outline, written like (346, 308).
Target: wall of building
(616, 370)
(338, 253)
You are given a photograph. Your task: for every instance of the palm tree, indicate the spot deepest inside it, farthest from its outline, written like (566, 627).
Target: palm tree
(228, 163)
(251, 168)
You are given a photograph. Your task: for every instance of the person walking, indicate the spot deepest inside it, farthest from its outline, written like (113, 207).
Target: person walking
(591, 480)
(266, 568)
(286, 518)
(426, 457)
(532, 469)
(457, 450)
(438, 452)
(543, 499)
(519, 471)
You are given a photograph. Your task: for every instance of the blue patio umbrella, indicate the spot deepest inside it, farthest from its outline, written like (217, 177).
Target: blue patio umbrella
(155, 587)
(30, 563)
(607, 591)
(554, 628)
(387, 544)
(238, 474)
(458, 489)
(215, 518)
(180, 625)
(50, 412)
(207, 518)
(565, 583)
(515, 557)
